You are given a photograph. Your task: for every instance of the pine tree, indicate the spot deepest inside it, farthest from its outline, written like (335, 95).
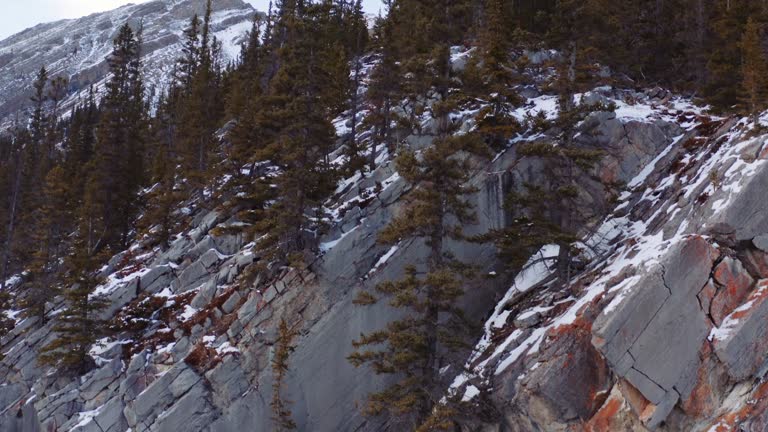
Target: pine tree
(754, 69)
(77, 327)
(116, 171)
(498, 78)
(19, 140)
(356, 159)
(384, 89)
(188, 64)
(298, 136)
(201, 103)
(52, 226)
(433, 323)
(281, 413)
(38, 122)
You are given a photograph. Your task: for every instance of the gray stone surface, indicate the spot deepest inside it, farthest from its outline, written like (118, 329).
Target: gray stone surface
(228, 244)
(231, 303)
(142, 411)
(228, 380)
(761, 242)
(192, 413)
(749, 216)
(659, 328)
(742, 349)
(205, 295)
(210, 258)
(156, 279)
(193, 276)
(121, 296)
(101, 378)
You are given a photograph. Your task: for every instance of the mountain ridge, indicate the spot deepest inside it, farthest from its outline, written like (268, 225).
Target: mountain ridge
(77, 48)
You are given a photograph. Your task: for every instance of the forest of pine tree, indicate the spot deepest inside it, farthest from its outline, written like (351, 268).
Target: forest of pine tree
(78, 189)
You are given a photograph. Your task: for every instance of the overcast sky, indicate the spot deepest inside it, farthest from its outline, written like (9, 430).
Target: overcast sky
(18, 15)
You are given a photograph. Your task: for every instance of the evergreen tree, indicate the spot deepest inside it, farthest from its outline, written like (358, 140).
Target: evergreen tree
(298, 136)
(412, 348)
(754, 69)
(201, 103)
(188, 64)
(359, 32)
(18, 141)
(116, 171)
(384, 88)
(497, 78)
(77, 327)
(38, 122)
(281, 413)
(53, 225)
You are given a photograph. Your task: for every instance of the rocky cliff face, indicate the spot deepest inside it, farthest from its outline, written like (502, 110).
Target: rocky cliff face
(662, 329)
(77, 49)
(665, 329)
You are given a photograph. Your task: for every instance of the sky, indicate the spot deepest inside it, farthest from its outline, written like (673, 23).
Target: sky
(18, 15)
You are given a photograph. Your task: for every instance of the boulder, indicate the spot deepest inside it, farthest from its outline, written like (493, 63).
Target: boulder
(111, 418)
(228, 244)
(193, 276)
(156, 279)
(162, 393)
(205, 295)
(11, 394)
(231, 303)
(250, 308)
(736, 284)
(210, 258)
(761, 242)
(742, 340)
(119, 297)
(568, 380)
(100, 379)
(192, 413)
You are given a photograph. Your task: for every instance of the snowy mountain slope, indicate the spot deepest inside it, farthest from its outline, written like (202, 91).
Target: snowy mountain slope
(197, 334)
(76, 49)
(665, 329)
(662, 329)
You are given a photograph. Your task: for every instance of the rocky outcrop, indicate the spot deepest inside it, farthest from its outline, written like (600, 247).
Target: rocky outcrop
(671, 300)
(660, 328)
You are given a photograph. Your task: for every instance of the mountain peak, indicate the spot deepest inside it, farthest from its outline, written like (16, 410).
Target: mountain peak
(77, 48)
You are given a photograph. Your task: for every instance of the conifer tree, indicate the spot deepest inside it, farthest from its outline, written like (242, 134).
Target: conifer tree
(298, 136)
(116, 171)
(383, 90)
(359, 32)
(201, 106)
(77, 327)
(52, 226)
(38, 122)
(187, 65)
(498, 78)
(18, 141)
(411, 348)
(281, 413)
(754, 69)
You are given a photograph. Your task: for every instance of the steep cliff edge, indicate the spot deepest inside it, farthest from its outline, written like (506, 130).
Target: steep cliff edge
(661, 329)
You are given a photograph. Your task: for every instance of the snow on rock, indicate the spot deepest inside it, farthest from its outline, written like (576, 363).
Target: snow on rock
(384, 258)
(645, 247)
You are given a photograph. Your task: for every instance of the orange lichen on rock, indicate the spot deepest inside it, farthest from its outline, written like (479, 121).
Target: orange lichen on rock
(603, 420)
(637, 402)
(754, 407)
(736, 284)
